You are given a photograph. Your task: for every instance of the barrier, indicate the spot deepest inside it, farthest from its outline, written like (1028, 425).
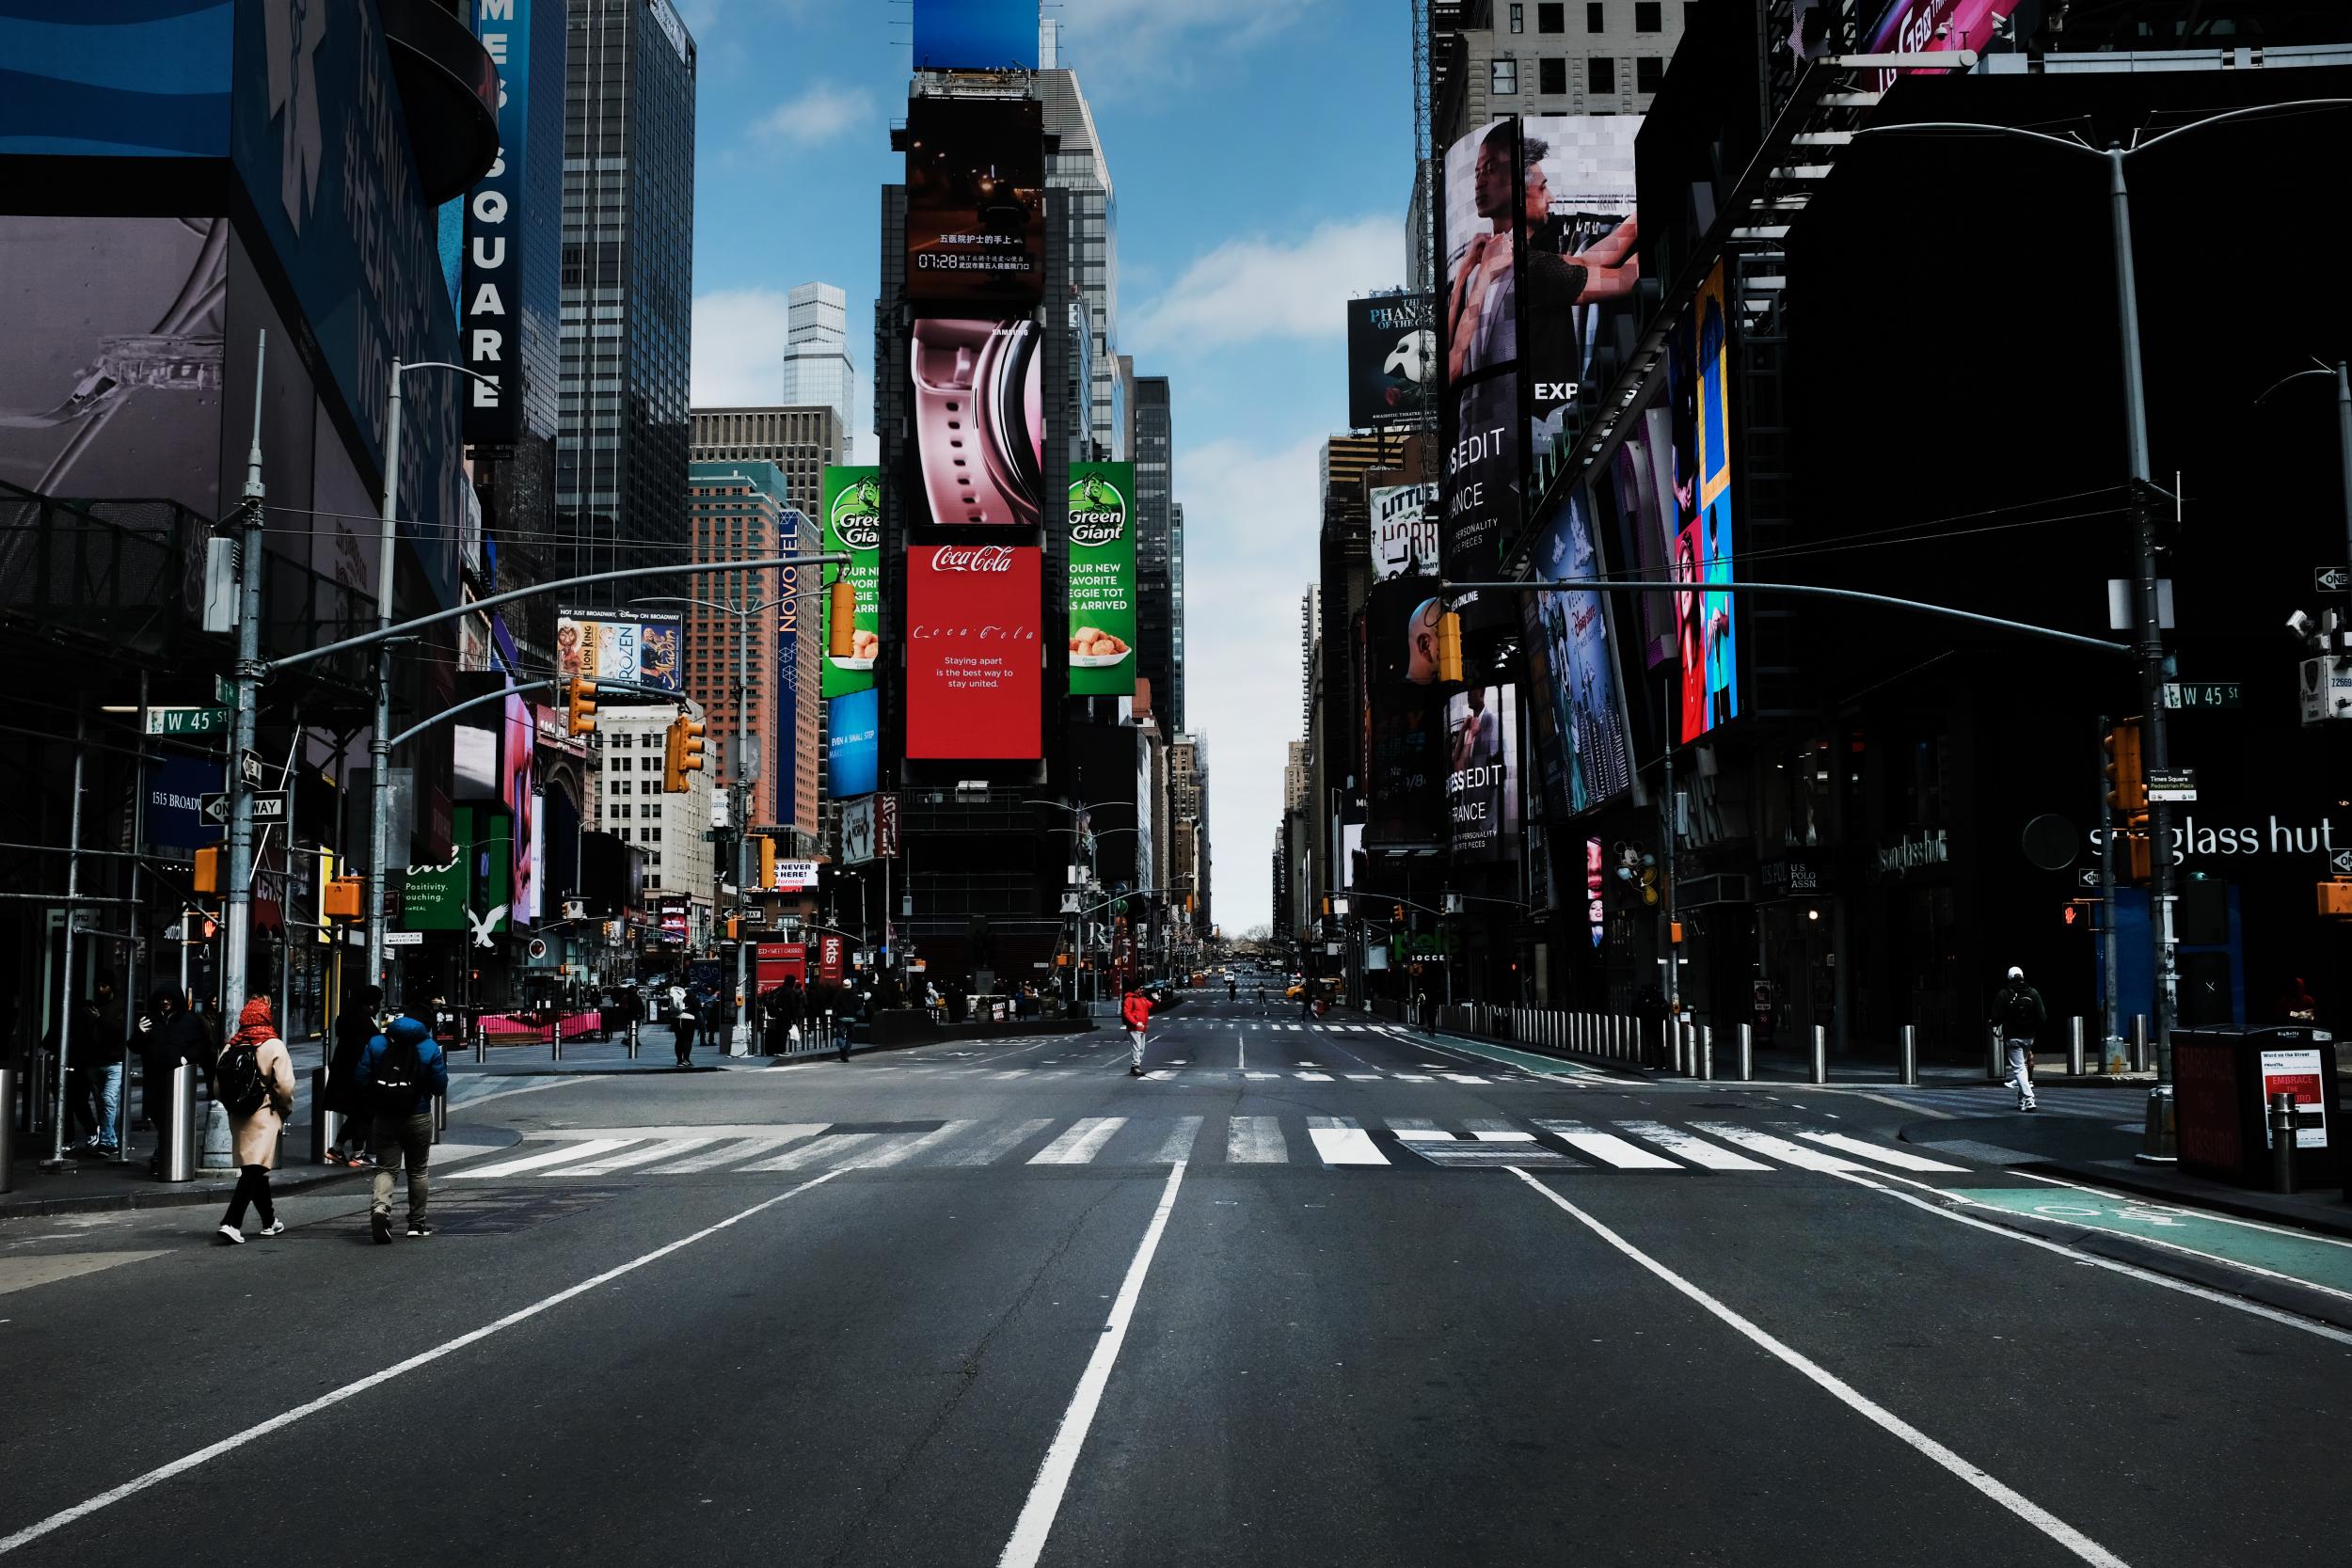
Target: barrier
(1821, 1053)
(1910, 1055)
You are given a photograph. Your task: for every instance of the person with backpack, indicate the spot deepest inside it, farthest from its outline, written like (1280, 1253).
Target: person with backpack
(401, 1072)
(1137, 1010)
(170, 1034)
(2018, 1013)
(355, 1026)
(682, 1024)
(254, 1083)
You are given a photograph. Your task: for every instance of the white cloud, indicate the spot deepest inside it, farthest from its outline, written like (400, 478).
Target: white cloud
(1147, 47)
(823, 112)
(1249, 289)
(738, 347)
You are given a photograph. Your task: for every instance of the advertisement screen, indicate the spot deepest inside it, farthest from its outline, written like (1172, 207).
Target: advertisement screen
(642, 650)
(1581, 735)
(975, 676)
(517, 753)
(1482, 777)
(974, 35)
(1408, 765)
(853, 526)
(1480, 336)
(854, 744)
(975, 200)
(1640, 489)
(1353, 867)
(1707, 637)
(1578, 265)
(1102, 580)
(979, 422)
(1391, 353)
(1403, 531)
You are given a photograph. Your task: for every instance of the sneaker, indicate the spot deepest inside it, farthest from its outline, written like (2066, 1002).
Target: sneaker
(231, 1236)
(275, 1228)
(381, 1225)
(2030, 1106)
(421, 1231)
(1135, 1072)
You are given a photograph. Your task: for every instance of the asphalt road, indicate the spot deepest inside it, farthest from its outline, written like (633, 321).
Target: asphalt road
(1302, 1296)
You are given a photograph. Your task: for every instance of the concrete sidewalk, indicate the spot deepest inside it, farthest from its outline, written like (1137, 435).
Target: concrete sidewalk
(97, 1186)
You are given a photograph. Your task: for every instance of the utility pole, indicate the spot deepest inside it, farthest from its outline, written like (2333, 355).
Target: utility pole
(237, 897)
(1666, 833)
(380, 741)
(2112, 1050)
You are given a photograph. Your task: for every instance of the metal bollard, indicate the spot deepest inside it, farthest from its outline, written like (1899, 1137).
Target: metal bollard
(41, 1097)
(482, 1040)
(440, 1116)
(1707, 1051)
(632, 1039)
(176, 1126)
(1747, 1052)
(1675, 1031)
(1994, 1067)
(220, 1145)
(2283, 1142)
(2139, 1042)
(555, 1040)
(8, 1126)
(2074, 1027)
(325, 1125)
(1910, 1055)
(1821, 1053)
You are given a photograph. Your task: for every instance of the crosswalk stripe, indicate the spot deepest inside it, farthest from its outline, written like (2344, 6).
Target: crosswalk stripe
(1779, 1148)
(1341, 1142)
(899, 1152)
(739, 1149)
(989, 1151)
(1413, 1077)
(1609, 1149)
(1361, 1077)
(663, 1149)
(817, 1151)
(1697, 1150)
(1014, 1072)
(1895, 1157)
(1178, 1144)
(1313, 1077)
(1081, 1143)
(583, 1149)
(1260, 1076)
(1461, 1078)
(1255, 1141)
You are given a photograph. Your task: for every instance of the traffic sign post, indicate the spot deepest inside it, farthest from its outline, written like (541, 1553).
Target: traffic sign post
(2331, 580)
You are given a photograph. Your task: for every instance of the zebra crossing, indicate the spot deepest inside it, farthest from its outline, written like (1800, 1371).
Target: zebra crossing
(1304, 1073)
(1697, 1148)
(2124, 1107)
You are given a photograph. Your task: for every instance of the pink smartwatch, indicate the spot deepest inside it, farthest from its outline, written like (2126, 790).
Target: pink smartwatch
(979, 420)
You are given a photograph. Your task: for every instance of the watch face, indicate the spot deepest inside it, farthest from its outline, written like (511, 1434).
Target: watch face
(979, 422)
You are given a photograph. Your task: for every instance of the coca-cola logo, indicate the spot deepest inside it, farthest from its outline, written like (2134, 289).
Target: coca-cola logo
(1097, 527)
(983, 557)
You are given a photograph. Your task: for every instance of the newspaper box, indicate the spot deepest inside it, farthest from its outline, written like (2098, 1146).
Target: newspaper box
(2222, 1080)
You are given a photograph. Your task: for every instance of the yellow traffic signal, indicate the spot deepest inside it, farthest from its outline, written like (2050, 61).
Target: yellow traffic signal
(1449, 647)
(579, 706)
(1396, 913)
(767, 861)
(682, 753)
(342, 899)
(208, 869)
(841, 619)
(2127, 781)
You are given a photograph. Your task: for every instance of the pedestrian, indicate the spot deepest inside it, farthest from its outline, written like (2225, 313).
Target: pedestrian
(401, 1073)
(2018, 1013)
(1233, 988)
(682, 1024)
(254, 1083)
(355, 1026)
(2296, 1005)
(170, 1034)
(101, 1047)
(1135, 1008)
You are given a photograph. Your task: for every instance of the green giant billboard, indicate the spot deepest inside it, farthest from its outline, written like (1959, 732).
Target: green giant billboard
(1102, 580)
(853, 527)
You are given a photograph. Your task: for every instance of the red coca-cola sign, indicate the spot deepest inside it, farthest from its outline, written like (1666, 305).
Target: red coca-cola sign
(975, 660)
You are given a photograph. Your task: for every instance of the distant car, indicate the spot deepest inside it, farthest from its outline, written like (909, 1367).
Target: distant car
(1296, 989)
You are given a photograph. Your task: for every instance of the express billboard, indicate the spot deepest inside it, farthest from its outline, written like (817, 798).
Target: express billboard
(979, 422)
(1581, 737)
(1102, 591)
(854, 744)
(615, 645)
(1391, 358)
(975, 674)
(1578, 265)
(1707, 642)
(853, 527)
(976, 200)
(1482, 787)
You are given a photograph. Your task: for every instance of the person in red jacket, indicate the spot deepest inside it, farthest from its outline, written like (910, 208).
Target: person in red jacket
(1137, 1011)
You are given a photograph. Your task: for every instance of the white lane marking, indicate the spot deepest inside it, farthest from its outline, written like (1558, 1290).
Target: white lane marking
(562, 1156)
(1607, 1147)
(1010, 1072)
(1241, 1051)
(1255, 1141)
(1341, 1142)
(739, 1149)
(1313, 1077)
(1894, 1157)
(1081, 1143)
(1697, 1150)
(1361, 1077)
(1461, 1078)
(663, 1149)
(1260, 1077)
(63, 1517)
(902, 1149)
(1852, 1398)
(1053, 1477)
(1779, 1148)
(999, 1145)
(819, 1152)
(1413, 1077)
(1177, 1146)
(472, 1101)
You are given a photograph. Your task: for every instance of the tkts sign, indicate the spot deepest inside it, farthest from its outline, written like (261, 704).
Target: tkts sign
(975, 663)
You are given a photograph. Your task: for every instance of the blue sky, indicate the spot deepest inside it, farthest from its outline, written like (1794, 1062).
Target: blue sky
(1261, 156)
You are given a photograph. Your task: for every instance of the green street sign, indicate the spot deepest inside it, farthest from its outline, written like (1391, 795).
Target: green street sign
(187, 720)
(2204, 695)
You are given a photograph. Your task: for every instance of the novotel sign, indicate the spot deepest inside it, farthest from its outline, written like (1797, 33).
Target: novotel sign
(490, 317)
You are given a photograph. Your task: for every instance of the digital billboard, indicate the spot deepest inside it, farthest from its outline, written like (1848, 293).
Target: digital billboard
(1707, 640)
(1407, 766)
(615, 645)
(1578, 264)
(854, 745)
(1102, 593)
(489, 303)
(1403, 531)
(976, 35)
(853, 527)
(975, 673)
(1391, 360)
(1581, 739)
(518, 792)
(976, 200)
(1481, 778)
(1479, 336)
(1642, 492)
(979, 422)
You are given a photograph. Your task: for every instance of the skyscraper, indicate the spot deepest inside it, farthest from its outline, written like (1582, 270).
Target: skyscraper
(1155, 608)
(1077, 165)
(629, 284)
(816, 368)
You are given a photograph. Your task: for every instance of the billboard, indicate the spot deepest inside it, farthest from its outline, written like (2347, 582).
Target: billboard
(975, 200)
(857, 830)
(1479, 334)
(1581, 735)
(979, 422)
(1578, 265)
(615, 645)
(1482, 777)
(489, 303)
(1391, 354)
(1403, 531)
(517, 778)
(973, 660)
(853, 527)
(976, 35)
(789, 628)
(1707, 642)
(853, 745)
(1101, 592)
(1641, 485)
(1407, 765)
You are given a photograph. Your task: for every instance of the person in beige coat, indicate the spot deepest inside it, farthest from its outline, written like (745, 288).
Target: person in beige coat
(256, 1131)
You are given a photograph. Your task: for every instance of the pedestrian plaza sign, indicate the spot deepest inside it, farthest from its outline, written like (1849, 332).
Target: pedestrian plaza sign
(2175, 785)
(187, 720)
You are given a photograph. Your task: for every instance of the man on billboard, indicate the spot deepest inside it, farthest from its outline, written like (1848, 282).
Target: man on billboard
(1577, 188)
(1421, 634)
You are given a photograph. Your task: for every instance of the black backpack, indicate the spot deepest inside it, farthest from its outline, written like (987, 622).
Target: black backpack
(393, 1089)
(2019, 1013)
(237, 1081)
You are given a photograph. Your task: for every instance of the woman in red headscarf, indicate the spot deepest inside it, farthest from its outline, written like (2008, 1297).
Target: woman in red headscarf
(254, 1082)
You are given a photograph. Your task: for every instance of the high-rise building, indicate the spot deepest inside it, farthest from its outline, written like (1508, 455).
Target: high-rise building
(1309, 628)
(1188, 836)
(799, 440)
(629, 221)
(1076, 164)
(1295, 777)
(816, 368)
(1156, 607)
(1176, 605)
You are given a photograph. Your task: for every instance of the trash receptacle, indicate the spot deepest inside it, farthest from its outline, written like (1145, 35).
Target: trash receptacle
(2222, 1080)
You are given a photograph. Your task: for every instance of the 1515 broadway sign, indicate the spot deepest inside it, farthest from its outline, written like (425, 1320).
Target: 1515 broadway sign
(975, 680)
(1102, 580)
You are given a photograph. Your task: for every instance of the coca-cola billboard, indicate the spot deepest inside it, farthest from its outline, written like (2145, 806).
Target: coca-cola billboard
(975, 661)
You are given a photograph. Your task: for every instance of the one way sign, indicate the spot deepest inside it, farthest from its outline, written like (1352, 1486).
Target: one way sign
(2086, 877)
(269, 806)
(2340, 861)
(2330, 579)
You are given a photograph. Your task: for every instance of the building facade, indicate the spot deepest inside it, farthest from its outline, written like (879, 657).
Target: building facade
(672, 830)
(1155, 608)
(816, 368)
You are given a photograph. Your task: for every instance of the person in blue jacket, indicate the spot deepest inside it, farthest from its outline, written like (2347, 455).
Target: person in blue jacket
(400, 1074)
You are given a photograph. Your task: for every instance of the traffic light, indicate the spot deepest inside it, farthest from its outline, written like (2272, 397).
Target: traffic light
(1396, 912)
(682, 753)
(841, 618)
(1450, 647)
(579, 706)
(341, 900)
(2127, 781)
(208, 869)
(767, 861)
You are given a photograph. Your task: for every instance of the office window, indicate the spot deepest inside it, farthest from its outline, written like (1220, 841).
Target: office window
(1600, 74)
(1596, 18)
(1552, 17)
(1503, 77)
(1552, 74)
(1649, 73)
(1649, 16)
(1518, 19)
